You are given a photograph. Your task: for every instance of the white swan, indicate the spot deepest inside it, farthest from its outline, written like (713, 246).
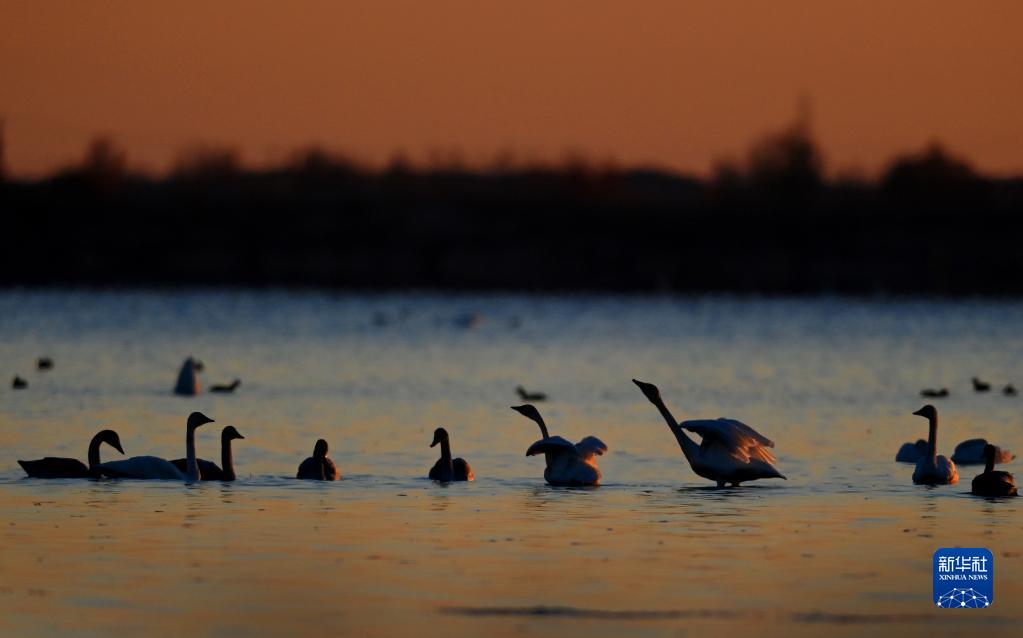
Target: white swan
(730, 452)
(932, 469)
(152, 467)
(567, 464)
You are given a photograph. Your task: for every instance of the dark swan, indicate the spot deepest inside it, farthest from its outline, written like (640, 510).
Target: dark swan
(210, 471)
(318, 467)
(447, 469)
(57, 467)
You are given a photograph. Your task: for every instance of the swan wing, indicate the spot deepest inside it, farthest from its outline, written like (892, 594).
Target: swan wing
(736, 438)
(590, 446)
(552, 445)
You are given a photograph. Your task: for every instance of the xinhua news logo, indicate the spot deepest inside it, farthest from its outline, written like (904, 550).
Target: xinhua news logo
(964, 578)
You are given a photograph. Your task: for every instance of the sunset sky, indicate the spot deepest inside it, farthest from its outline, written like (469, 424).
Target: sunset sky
(672, 84)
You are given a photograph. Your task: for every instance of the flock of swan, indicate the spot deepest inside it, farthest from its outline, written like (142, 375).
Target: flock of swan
(728, 452)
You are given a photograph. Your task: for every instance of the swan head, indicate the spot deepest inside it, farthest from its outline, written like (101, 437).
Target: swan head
(110, 438)
(230, 434)
(196, 419)
(650, 391)
(528, 410)
(928, 412)
(320, 451)
(439, 435)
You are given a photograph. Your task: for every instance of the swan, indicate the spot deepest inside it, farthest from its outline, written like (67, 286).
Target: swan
(973, 452)
(932, 469)
(210, 471)
(152, 467)
(230, 387)
(1009, 390)
(56, 467)
(44, 363)
(980, 386)
(567, 464)
(188, 380)
(992, 483)
(529, 396)
(930, 393)
(318, 466)
(19, 383)
(447, 469)
(730, 452)
(911, 452)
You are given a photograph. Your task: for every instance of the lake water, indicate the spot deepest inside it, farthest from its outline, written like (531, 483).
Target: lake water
(842, 547)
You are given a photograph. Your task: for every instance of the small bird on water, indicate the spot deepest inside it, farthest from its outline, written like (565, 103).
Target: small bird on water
(525, 395)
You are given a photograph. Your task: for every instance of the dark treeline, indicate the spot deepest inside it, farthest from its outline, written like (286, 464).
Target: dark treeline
(769, 224)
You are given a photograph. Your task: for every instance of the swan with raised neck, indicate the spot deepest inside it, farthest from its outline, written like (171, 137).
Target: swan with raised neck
(730, 451)
(58, 467)
(567, 463)
(447, 469)
(933, 469)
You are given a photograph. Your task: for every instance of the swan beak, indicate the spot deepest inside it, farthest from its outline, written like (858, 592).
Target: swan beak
(436, 440)
(919, 412)
(117, 446)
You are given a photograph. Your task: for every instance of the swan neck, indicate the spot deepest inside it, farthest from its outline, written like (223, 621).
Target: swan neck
(989, 463)
(192, 466)
(932, 435)
(227, 459)
(445, 454)
(94, 451)
(689, 447)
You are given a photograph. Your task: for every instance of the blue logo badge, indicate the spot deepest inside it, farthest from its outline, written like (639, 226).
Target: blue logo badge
(964, 577)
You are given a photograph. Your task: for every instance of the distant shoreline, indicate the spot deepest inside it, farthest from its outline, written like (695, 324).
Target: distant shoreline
(774, 226)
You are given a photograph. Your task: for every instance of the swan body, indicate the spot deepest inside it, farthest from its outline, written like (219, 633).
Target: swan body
(1009, 390)
(571, 464)
(972, 452)
(730, 451)
(992, 482)
(18, 383)
(930, 393)
(932, 469)
(57, 467)
(911, 452)
(567, 463)
(210, 471)
(44, 363)
(447, 469)
(153, 467)
(318, 467)
(980, 386)
(143, 467)
(188, 380)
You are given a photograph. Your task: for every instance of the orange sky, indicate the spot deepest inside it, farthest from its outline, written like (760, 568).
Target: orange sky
(676, 84)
